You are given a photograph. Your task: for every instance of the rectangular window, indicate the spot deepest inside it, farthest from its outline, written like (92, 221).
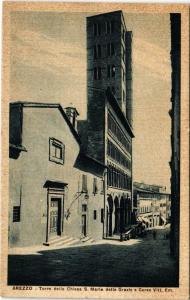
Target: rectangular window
(99, 73)
(108, 71)
(56, 151)
(97, 29)
(84, 207)
(97, 51)
(16, 213)
(95, 214)
(95, 73)
(95, 186)
(113, 71)
(84, 184)
(112, 26)
(112, 49)
(102, 215)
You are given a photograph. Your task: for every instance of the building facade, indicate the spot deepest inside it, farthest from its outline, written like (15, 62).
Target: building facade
(109, 113)
(152, 204)
(55, 190)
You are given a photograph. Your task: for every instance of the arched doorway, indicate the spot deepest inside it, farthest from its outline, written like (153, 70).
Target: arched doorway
(117, 216)
(109, 226)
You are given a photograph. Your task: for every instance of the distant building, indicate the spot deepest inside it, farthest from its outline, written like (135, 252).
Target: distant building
(109, 122)
(152, 204)
(175, 135)
(55, 191)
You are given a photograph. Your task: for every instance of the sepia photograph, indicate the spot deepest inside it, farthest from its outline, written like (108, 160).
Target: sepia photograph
(93, 114)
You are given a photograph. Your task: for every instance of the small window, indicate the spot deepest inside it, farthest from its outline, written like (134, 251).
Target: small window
(110, 49)
(102, 186)
(97, 51)
(102, 215)
(84, 184)
(112, 26)
(84, 207)
(97, 73)
(97, 29)
(56, 151)
(113, 71)
(108, 71)
(95, 214)
(109, 27)
(16, 213)
(95, 186)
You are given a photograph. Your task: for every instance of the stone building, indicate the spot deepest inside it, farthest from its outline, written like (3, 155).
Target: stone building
(109, 113)
(152, 204)
(175, 20)
(55, 190)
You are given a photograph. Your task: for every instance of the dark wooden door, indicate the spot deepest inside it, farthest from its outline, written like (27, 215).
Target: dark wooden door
(55, 217)
(84, 225)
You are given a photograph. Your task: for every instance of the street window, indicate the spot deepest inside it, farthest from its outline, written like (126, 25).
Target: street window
(95, 214)
(56, 151)
(84, 184)
(16, 213)
(102, 215)
(84, 207)
(95, 186)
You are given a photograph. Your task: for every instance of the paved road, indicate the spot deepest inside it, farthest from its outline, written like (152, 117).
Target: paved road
(140, 262)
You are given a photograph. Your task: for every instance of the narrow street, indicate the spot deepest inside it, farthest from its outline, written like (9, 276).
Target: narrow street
(137, 262)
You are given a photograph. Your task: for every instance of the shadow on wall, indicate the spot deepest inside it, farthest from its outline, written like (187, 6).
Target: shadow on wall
(97, 265)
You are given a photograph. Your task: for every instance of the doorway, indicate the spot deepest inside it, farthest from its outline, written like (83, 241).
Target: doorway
(84, 225)
(55, 216)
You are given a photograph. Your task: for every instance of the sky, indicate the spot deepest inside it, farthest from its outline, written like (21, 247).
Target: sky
(48, 64)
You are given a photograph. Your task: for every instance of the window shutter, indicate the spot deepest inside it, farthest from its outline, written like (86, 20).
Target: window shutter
(84, 184)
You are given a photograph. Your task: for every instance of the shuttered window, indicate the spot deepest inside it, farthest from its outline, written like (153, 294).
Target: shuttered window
(16, 213)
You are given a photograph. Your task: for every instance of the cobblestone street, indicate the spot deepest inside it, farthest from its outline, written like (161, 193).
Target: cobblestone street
(137, 262)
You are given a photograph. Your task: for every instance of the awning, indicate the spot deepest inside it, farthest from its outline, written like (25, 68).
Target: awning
(55, 184)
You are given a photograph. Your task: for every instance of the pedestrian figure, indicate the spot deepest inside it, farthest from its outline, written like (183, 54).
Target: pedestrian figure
(154, 234)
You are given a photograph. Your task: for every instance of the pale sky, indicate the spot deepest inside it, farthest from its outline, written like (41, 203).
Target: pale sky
(48, 64)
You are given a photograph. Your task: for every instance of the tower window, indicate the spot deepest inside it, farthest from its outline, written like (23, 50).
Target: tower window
(97, 51)
(108, 71)
(16, 213)
(95, 214)
(97, 73)
(97, 29)
(110, 49)
(113, 71)
(109, 27)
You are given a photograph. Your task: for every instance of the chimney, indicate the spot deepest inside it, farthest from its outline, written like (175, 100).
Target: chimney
(72, 114)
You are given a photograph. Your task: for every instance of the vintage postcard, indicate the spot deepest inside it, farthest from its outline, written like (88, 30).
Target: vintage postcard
(95, 150)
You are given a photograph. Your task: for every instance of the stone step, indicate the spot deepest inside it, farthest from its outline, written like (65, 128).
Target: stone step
(87, 239)
(56, 240)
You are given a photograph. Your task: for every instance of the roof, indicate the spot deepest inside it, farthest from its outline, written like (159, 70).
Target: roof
(109, 14)
(149, 192)
(49, 105)
(112, 100)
